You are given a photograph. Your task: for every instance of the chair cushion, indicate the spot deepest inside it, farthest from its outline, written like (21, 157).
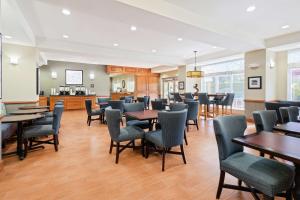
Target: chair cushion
(141, 124)
(97, 112)
(49, 114)
(130, 133)
(38, 130)
(268, 176)
(44, 121)
(155, 137)
(8, 130)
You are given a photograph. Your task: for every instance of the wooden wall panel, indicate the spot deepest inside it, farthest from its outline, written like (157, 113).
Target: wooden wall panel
(153, 86)
(141, 86)
(43, 101)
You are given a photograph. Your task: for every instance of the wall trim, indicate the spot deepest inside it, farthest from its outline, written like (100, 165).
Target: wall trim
(20, 102)
(255, 100)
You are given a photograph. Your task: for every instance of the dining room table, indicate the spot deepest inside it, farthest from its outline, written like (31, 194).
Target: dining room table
(20, 120)
(277, 145)
(28, 112)
(149, 115)
(33, 107)
(289, 127)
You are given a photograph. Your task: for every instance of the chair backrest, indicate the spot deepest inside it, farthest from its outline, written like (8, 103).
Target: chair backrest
(172, 127)
(188, 95)
(59, 102)
(128, 99)
(231, 98)
(103, 99)
(177, 97)
(164, 101)
(193, 109)
(178, 106)
(293, 112)
(284, 114)
(132, 107)
(145, 100)
(57, 114)
(226, 128)
(157, 105)
(113, 117)
(88, 106)
(203, 98)
(117, 104)
(275, 106)
(265, 120)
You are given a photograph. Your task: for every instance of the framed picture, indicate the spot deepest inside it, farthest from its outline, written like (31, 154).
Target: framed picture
(74, 77)
(181, 85)
(254, 82)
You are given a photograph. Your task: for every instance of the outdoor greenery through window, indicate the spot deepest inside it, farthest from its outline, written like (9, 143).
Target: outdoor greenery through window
(294, 75)
(225, 77)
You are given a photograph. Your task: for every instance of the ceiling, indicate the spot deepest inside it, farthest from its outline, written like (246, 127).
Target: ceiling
(213, 28)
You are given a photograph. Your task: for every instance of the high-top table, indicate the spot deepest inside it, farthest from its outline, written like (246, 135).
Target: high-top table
(19, 119)
(281, 146)
(149, 115)
(28, 112)
(290, 127)
(33, 107)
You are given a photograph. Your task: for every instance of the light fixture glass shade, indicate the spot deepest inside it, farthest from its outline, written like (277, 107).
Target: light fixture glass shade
(195, 74)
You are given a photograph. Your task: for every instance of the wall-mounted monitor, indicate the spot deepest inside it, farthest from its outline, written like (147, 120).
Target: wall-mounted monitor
(74, 77)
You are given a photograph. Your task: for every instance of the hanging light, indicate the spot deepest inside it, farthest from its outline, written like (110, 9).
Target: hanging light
(195, 73)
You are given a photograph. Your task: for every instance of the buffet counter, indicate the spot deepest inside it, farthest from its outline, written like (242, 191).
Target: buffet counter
(118, 95)
(72, 102)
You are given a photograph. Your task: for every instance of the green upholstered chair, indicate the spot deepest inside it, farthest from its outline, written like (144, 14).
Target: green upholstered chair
(170, 135)
(267, 176)
(192, 114)
(118, 135)
(90, 112)
(33, 133)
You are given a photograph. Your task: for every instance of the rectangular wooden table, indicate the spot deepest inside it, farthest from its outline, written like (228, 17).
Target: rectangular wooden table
(281, 146)
(290, 127)
(149, 115)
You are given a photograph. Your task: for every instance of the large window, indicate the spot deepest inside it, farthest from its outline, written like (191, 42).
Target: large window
(294, 75)
(225, 77)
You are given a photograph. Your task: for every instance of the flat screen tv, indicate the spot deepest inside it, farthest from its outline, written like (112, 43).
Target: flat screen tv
(74, 77)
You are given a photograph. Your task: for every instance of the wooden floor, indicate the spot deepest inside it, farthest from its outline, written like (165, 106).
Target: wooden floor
(83, 168)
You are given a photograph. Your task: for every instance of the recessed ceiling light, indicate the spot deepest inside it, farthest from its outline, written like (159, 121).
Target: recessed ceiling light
(179, 39)
(66, 11)
(133, 28)
(7, 36)
(154, 51)
(116, 44)
(251, 8)
(285, 26)
(65, 36)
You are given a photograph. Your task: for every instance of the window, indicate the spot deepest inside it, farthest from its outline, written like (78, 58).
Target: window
(225, 77)
(294, 75)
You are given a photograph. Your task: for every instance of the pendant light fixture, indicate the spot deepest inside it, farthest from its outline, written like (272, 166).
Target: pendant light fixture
(195, 73)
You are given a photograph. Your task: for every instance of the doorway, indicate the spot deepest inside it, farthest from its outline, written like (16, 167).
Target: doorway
(170, 85)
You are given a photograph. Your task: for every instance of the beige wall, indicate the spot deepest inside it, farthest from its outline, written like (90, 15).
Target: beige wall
(271, 75)
(282, 75)
(19, 81)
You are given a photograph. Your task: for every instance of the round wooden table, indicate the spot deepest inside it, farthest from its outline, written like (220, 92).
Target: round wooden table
(33, 107)
(28, 112)
(19, 119)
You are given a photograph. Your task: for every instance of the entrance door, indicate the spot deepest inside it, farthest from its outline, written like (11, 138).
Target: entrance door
(170, 85)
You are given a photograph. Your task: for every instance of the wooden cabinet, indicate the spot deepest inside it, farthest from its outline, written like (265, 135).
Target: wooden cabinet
(111, 69)
(147, 85)
(118, 95)
(72, 102)
(43, 101)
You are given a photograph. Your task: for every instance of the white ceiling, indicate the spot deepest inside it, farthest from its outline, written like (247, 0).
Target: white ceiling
(95, 26)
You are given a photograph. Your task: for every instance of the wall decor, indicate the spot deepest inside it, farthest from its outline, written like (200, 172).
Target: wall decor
(74, 77)
(181, 85)
(254, 82)
(123, 84)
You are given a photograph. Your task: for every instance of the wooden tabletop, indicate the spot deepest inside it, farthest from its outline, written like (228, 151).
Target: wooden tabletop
(31, 111)
(33, 107)
(290, 127)
(143, 115)
(19, 118)
(275, 144)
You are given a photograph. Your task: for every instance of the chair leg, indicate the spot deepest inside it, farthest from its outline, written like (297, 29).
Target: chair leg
(133, 145)
(118, 152)
(87, 120)
(163, 159)
(266, 197)
(143, 146)
(289, 194)
(55, 142)
(196, 122)
(185, 139)
(90, 119)
(187, 126)
(221, 183)
(182, 153)
(205, 111)
(261, 154)
(147, 149)
(111, 146)
(25, 147)
(239, 182)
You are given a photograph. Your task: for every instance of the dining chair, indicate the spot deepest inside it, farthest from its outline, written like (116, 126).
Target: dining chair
(275, 106)
(226, 102)
(265, 120)
(127, 99)
(145, 100)
(178, 106)
(284, 115)
(119, 135)
(90, 112)
(177, 97)
(192, 114)
(117, 104)
(259, 174)
(134, 107)
(157, 105)
(33, 133)
(188, 95)
(293, 112)
(58, 102)
(205, 102)
(170, 135)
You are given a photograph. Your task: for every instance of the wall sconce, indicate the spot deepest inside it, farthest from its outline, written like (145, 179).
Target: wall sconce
(53, 75)
(14, 60)
(92, 76)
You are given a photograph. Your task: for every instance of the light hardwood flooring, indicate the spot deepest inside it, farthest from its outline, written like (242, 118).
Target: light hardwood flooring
(83, 168)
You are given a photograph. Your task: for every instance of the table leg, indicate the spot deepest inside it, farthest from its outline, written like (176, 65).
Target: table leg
(20, 150)
(150, 125)
(296, 192)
